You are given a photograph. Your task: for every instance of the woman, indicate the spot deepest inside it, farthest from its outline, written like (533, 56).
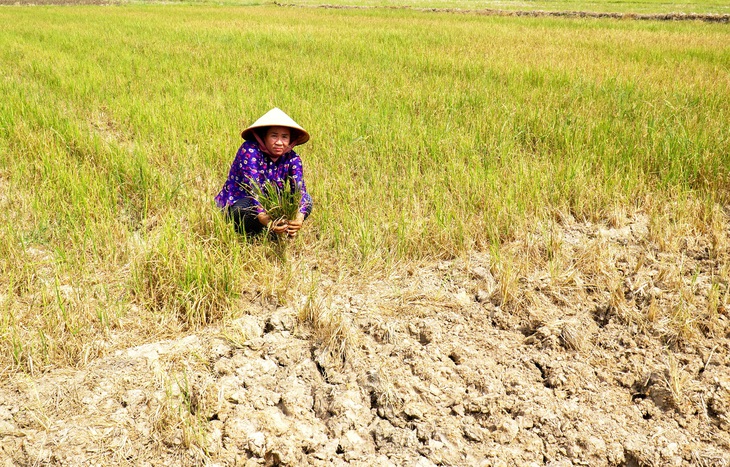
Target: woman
(265, 155)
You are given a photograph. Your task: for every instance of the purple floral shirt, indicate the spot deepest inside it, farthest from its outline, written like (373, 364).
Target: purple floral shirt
(251, 164)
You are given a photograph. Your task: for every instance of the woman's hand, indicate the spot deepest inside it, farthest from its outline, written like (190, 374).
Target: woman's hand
(295, 224)
(278, 227)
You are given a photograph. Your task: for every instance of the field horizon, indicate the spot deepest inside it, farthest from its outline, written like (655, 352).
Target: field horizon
(709, 10)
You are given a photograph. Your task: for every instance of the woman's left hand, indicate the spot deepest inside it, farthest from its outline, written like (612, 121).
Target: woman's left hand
(295, 224)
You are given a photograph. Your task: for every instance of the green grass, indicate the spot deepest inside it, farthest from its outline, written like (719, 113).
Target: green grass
(278, 202)
(432, 134)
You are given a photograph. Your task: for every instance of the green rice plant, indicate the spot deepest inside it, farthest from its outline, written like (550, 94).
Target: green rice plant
(279, 202)
(191, 285)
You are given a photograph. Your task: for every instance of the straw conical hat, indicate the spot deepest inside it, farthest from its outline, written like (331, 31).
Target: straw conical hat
(276, 117)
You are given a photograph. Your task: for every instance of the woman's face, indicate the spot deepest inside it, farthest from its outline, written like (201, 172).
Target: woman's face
(277, 140)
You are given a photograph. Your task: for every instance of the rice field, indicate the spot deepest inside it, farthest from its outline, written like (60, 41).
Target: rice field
(433, 134)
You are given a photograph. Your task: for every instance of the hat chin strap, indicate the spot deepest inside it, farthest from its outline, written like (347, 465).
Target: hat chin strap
(265, 150)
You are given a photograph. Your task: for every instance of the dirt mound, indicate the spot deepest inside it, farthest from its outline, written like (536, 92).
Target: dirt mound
(449, 363)
(671, 16)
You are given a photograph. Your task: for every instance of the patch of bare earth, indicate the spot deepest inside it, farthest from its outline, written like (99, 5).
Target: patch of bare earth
(60, 2)
(671, 16)
(590, 346)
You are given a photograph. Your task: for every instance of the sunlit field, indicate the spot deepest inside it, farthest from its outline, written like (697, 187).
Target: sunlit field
(433, 135)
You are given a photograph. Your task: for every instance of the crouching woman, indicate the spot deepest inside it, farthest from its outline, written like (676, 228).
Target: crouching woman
(266, 156)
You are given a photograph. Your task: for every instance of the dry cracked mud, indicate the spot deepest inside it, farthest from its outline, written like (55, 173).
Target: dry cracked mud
(431, 365)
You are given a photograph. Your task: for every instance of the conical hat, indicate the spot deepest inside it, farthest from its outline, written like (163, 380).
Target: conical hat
(276, 117)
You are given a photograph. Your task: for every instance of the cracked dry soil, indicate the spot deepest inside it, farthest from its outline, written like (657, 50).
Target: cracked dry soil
(439, 371)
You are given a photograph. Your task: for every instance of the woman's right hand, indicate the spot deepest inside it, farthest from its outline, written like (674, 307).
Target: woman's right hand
(278, 227)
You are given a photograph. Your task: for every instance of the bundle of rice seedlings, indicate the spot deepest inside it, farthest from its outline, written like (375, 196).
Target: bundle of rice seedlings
(280, 202)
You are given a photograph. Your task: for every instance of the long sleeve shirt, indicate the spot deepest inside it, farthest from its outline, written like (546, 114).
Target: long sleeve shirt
(252, 165)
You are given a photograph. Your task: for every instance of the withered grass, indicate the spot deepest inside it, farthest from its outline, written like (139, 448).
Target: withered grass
(433, 135)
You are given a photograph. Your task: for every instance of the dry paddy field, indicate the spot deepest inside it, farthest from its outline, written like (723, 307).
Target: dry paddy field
(519, 252)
